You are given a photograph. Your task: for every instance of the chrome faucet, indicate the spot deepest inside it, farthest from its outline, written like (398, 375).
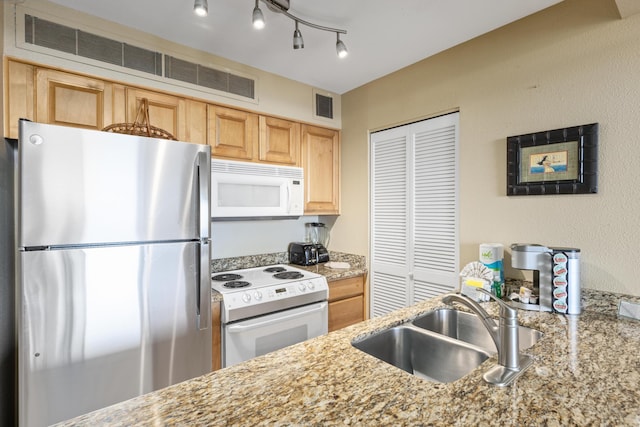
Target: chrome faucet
(510, 362)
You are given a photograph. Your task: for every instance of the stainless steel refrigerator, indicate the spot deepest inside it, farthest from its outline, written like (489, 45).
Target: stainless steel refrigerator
(113, 268)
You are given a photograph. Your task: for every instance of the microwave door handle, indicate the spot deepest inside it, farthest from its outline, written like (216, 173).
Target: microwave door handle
(288, 196)
(203, 258)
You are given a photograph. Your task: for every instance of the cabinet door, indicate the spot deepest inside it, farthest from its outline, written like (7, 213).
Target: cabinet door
(279, 141)
(232, 133)
(166, 112)
(19, 96)
(196, 128)
(72, 100)
(346, 312)
(346, 302)
(216, 335)
(321, 163)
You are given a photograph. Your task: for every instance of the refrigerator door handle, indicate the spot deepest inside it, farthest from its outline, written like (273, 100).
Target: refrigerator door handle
(203, 291)
(203, 172)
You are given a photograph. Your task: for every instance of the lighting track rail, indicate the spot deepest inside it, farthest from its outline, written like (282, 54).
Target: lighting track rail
(201, 8)
(275, 6)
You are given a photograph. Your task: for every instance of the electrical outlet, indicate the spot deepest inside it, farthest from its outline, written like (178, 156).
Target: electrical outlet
(629, 309)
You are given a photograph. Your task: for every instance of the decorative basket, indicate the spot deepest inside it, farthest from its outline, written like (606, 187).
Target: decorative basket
(141, 125)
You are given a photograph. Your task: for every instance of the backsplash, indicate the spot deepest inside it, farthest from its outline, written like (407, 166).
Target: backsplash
(237, 263)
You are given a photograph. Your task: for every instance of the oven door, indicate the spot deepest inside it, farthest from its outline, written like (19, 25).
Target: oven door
(246, 339)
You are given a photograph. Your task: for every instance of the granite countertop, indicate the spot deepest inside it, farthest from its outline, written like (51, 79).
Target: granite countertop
(586, 371)
(333, 274)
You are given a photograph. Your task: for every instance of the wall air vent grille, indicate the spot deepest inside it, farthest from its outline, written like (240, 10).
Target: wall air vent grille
(324, 106)
(41, 32)
(200, 75)
(51, 35)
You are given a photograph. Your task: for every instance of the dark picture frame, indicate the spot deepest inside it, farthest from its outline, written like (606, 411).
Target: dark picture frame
(559, 161)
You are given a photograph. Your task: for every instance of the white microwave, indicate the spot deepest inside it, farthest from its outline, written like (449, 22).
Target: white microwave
(255, 190)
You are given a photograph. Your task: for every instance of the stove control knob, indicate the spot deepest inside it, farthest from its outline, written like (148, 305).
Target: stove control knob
(246, 298)
(302, 287)
(257, 295)
(311, 285)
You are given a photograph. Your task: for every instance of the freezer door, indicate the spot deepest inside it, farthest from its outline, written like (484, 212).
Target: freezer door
(101, 325)
(82, 187)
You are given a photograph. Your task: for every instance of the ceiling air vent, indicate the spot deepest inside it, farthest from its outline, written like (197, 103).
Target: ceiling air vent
(200, 75)
(52, 35)
(324, 106)
(41, 32)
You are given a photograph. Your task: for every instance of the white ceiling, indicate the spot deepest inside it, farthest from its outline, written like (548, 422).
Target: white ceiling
(382, 35)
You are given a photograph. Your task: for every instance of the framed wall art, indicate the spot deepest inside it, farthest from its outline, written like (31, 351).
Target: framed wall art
(559, 161)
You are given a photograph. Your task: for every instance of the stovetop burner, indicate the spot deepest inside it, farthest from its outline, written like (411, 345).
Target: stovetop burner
(288, 275)
(236, 283)
(226, 277)
(276, 275)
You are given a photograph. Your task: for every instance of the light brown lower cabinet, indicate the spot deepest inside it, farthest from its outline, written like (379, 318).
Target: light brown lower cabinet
(346, 302)
(216, 353)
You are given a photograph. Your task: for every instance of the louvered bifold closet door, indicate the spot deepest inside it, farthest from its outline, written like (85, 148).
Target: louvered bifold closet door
(389, 221)
(414, 213)
(435, 208)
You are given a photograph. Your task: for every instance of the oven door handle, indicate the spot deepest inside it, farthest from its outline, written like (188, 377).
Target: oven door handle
(237, 328)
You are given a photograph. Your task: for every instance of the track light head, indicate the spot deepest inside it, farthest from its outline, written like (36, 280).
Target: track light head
(341, 49)
(282, 6)
(258, 17)
(298, 42)
(201, 8)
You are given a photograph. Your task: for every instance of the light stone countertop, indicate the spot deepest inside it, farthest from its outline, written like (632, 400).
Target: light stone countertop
(586, 371)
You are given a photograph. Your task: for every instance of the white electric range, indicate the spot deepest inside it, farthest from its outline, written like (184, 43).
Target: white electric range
(268, 308)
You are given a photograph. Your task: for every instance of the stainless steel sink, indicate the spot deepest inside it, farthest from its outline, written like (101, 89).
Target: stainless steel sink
(429, 356)
(468, 328)
(442, 345)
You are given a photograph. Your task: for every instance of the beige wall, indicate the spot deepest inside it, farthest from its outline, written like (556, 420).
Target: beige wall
(572, 64)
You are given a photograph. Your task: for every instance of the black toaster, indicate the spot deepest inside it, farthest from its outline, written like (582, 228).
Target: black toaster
(302, 253)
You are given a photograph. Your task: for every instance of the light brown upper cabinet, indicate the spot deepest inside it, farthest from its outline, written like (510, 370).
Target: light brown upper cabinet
(321, 163)
(196, 128)
(72, 100)
(279, 141)
(19, 95)
(166, 112)
(232, 133)
(55, 97)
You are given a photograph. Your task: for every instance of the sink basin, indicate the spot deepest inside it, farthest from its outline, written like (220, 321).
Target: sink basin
(430, 356)
(442, 345)
(467, 327)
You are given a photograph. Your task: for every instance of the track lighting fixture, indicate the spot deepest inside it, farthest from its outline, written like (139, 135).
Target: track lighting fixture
(258, 17)
(282, 6)
(298, 42)
(201, 8)
(341, 49)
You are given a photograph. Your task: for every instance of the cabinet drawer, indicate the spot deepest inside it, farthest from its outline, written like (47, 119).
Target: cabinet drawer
(346, 288)
(346, 312)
